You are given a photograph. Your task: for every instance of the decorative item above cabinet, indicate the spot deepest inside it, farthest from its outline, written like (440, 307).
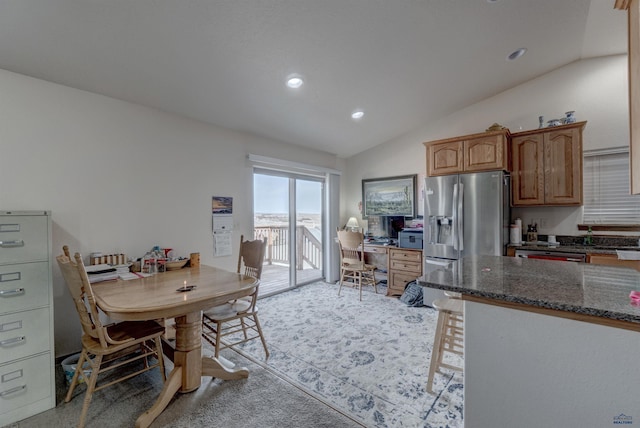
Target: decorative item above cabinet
(547, 166)
(486, 151)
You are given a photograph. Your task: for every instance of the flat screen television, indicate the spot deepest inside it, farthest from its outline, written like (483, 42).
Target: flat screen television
(385, 226)
(394, 224)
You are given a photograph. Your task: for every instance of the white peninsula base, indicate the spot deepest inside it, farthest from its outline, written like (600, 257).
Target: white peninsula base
(529, 370)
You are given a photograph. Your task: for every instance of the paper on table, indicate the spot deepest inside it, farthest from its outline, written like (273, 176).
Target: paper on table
(133, 275)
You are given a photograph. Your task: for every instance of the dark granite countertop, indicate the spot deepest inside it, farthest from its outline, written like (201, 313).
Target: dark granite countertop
(582, 288)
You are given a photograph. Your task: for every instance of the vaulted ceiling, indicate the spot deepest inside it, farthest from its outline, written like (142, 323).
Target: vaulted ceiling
(225, 62)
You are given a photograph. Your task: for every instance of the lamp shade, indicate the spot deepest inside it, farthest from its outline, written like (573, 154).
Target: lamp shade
(353, 223)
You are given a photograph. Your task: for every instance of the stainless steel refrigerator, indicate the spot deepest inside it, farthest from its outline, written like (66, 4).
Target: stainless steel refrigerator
(466, 214)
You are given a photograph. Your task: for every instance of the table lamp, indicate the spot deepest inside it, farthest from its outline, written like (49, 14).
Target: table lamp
(353, 224)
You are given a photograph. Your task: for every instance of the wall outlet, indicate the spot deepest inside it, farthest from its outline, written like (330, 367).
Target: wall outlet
(542, 223)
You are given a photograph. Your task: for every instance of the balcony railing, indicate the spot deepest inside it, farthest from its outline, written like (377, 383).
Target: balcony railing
(308, 247)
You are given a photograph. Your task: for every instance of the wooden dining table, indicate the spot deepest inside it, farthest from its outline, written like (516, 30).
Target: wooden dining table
(163, 296)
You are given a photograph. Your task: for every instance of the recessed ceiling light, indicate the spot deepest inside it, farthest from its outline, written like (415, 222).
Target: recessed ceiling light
(516, 54)
(493, 1)
(294, 82)
(358, 114)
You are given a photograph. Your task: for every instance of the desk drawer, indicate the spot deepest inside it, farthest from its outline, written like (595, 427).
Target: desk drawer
(24, 382)
(375, 249)
(24, 286)
(409, 256)
(23, 334)
(23, 238)
(398, 280)
(405, 266)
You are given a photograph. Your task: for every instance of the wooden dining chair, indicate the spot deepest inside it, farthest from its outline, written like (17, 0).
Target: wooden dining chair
(352, 264)
(110, 347)
(237, 321)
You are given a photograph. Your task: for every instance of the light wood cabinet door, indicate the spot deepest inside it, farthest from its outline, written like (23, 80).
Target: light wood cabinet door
(444, 158)
(612, 260)
(547, 166)
(563, 167)
(527, 170)
(486, 153)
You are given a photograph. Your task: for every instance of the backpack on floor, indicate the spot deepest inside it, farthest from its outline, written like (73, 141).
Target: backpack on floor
(412, 295)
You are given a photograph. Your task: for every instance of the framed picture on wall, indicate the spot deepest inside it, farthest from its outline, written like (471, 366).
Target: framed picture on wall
(389, 196)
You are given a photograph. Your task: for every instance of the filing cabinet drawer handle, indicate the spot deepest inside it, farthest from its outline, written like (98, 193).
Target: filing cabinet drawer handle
(11, 293)
(9, 244)
(13, 390)
(13, 341)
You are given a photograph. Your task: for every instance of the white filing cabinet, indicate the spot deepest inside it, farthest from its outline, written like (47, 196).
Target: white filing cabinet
(27, 376)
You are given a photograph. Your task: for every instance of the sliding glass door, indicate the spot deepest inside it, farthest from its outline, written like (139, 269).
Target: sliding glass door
(288, 212)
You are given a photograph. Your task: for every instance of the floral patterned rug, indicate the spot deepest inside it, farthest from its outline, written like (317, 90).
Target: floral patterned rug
(368, 359)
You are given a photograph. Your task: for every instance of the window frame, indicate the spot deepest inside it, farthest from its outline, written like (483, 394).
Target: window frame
(588, 174)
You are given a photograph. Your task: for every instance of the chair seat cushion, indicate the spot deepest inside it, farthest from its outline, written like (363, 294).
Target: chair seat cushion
(241, 305)
(228, 310)
(350, 266)
(130, 331)
(134, 329)
(220, 312)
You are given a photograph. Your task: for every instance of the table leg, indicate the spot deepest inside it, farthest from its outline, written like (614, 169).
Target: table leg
(189, 366)
(171, 386)
(188, 353)
(187, 371)
(213, 367)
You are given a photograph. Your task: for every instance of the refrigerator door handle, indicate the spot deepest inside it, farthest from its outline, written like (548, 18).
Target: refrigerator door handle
(437, 262)
(454, 222)
(460, 227)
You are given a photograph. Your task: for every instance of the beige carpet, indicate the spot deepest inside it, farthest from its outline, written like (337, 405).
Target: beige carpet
(262, 400)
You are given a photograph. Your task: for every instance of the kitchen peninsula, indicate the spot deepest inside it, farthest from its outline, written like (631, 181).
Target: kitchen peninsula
(546, 343)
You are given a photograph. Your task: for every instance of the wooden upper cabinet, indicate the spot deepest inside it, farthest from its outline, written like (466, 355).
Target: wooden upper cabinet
(547, 166)
(487, 151)
(527, 169)
(444, 158)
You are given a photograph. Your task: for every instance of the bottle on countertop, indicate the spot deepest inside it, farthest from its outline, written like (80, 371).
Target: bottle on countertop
(532, 232)
(588, 240)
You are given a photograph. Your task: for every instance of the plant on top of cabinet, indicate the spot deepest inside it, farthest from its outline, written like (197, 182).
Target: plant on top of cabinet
(486, 151)
(547, 166)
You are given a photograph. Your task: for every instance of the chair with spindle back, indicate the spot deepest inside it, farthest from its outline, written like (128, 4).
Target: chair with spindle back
(107, 347)
(222, 325)
(353, 267)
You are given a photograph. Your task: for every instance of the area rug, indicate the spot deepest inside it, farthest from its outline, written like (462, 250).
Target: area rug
(368, 359)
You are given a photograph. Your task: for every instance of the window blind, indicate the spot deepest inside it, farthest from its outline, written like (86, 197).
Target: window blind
(607, 199)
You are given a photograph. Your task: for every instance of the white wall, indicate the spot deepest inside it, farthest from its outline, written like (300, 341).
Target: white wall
(596, 89)
(120, 177)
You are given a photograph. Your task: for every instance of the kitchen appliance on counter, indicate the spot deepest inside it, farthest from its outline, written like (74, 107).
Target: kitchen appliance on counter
(410, 238)
(465, 214)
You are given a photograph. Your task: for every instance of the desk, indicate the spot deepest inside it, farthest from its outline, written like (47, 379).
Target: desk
(401, 265)
(156, 297)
